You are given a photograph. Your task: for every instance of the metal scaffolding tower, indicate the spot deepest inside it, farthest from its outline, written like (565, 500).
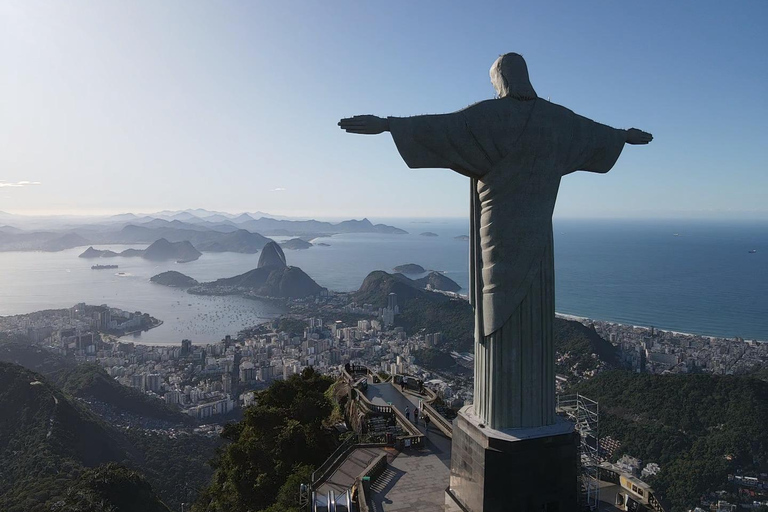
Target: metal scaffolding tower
(584, 412)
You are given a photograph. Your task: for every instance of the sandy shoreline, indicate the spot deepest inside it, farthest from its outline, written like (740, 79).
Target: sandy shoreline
(583, 319)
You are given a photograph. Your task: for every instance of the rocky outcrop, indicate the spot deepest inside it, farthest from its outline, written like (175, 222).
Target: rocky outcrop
(410, 268)
(272, 256)
(163, 250)
(174, 279)
(438, 281)
(296, 244)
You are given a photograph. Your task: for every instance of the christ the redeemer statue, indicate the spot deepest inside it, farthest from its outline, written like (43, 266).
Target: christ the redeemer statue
(515, 149)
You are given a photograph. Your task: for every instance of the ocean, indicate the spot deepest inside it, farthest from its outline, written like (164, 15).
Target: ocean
(687, 276)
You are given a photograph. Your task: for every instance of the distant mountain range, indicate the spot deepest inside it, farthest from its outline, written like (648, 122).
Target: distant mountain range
(207, 231)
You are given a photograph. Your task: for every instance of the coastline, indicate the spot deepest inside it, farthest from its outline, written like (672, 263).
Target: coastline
(158, 324)
(584, 319)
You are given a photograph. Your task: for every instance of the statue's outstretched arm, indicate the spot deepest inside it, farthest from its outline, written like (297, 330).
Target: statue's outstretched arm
(365, 125)
(635, 136)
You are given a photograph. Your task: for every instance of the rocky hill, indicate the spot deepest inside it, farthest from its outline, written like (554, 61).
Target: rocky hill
(272, 256)
(270, 281)
(296, 244)
(48, 436)
(97, 253)
(111, 488)
(426, 311)
(91, 382)
(438, 281)
(175, 466)
(378, 285)
(174, 279)
(87, 381)
(272, 278)
(409, 268)
(428, 233)
(160, 250)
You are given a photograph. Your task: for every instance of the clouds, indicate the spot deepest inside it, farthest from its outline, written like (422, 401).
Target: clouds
(18, 184)
(278, 189)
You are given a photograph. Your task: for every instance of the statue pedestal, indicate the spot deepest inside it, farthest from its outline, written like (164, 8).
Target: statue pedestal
(519, 470)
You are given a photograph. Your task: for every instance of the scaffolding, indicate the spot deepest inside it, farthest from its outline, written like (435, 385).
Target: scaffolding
(584, 412)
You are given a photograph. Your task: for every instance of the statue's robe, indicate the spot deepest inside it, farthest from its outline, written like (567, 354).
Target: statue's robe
(515, 153)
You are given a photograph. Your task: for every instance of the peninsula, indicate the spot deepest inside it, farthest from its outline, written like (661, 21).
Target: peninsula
(272, 278)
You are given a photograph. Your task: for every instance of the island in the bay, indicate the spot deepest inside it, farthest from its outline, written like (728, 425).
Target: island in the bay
(409, 268)
(159, 250)
(295, 244)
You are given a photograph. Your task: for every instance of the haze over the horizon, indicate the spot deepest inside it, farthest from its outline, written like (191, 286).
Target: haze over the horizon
(147, 106)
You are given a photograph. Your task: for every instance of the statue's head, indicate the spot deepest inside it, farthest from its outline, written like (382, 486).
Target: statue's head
(509, 76)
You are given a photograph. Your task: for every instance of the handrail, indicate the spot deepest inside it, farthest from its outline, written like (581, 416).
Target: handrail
(374, 469)
(337, 454)
(438, 419)
(414, 434)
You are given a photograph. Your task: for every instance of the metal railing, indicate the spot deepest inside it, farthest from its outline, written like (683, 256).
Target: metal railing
(336, 456)
(440, 421)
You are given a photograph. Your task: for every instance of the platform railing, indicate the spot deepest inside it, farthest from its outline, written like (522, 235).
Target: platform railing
(335, 457)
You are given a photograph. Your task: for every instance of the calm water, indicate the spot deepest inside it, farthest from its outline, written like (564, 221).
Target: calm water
(703, 281)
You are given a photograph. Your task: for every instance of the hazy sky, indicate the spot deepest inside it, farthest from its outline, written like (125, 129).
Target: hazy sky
(110, 106)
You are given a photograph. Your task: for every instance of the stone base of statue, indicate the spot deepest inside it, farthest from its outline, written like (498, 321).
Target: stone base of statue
(519, 470)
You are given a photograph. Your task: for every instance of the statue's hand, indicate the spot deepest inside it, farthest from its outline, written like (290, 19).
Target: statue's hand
(635, 136)
(367, 125)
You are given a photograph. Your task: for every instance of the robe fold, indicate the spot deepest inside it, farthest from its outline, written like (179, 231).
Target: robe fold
(515, 153)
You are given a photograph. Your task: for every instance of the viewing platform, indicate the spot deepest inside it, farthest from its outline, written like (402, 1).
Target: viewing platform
(393, 461)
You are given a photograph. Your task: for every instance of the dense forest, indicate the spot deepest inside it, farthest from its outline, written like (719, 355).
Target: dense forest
(698, 428)
(274, 448)
(110, 488)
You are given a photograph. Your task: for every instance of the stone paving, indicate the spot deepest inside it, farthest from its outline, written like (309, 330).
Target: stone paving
(415, 480)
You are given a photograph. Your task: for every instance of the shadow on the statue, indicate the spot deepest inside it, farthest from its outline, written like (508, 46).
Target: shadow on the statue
(383, 484)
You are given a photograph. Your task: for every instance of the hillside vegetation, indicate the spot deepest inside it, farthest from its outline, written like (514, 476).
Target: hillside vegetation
(90, 381)
(429, 312)
(47, 440)
(51, 438)
(110, 488)
(697, 427)
(273, 449)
